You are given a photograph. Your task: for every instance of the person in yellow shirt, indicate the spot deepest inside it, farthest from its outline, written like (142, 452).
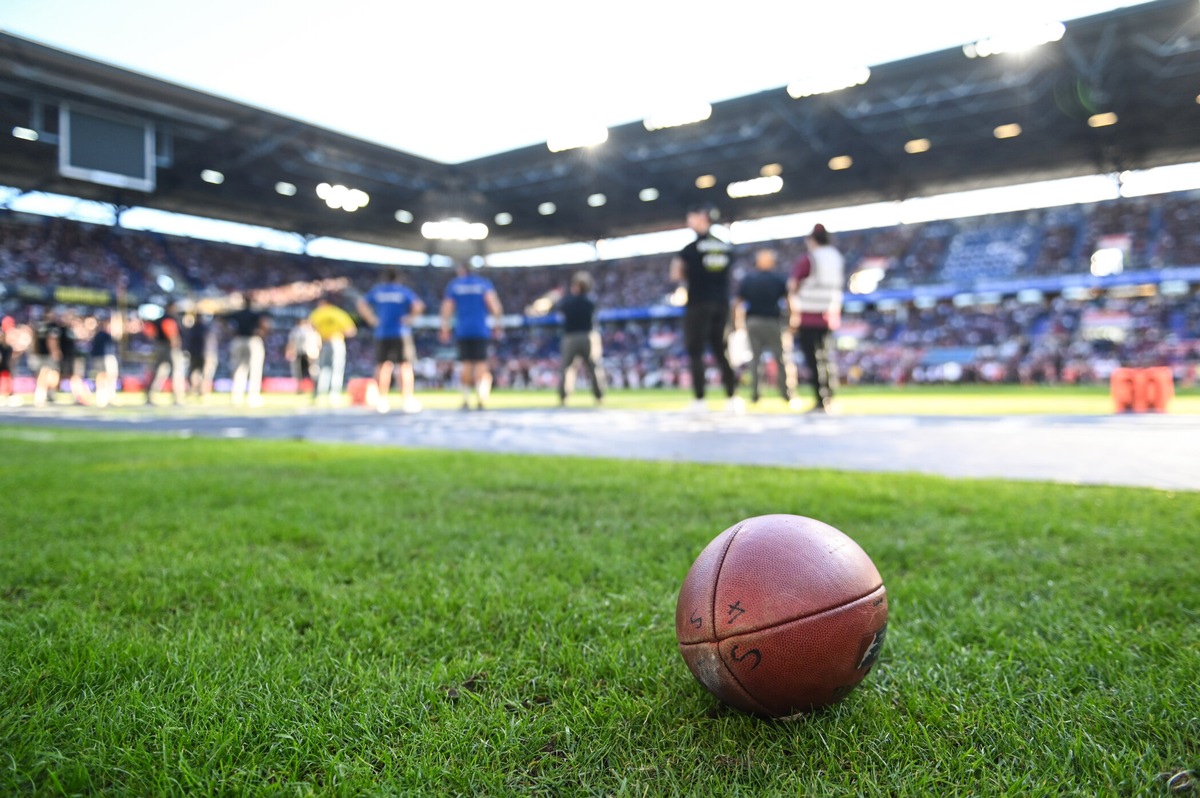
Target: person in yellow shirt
(334, 326)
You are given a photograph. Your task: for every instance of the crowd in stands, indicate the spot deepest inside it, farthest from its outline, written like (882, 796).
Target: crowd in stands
(1046, 339)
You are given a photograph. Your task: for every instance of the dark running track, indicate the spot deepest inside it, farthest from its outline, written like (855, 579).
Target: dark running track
(1144, 451)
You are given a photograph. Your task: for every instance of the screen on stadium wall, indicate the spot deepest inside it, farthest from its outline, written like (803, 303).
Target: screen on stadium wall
(106, 149)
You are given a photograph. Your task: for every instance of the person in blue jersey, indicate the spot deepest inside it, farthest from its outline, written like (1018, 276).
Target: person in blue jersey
(389, 308)
(468, 300)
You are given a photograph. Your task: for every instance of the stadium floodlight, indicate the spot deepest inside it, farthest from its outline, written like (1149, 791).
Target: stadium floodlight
(504, 218)
(706, 181)
(1161, 180)
(1010, 131)
(648, 194)
(687, 114)
(575, 139)
(454, 230)
(758, 187)
(212, 176)
(1102, 120)
(403, 217)
(834, 80)
(285, 189)
(597, 200)
(1016, 41)
(916, 146)
(840, 162)
(32, 135)
(547, 209)
(771, 170)
(341, 197)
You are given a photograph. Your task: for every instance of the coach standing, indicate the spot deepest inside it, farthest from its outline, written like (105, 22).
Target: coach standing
(703, 266)
(580, 339)
(247, 351)
(816, 286)
(757, 312)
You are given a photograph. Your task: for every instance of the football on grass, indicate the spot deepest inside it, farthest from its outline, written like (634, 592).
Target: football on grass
(781, 614)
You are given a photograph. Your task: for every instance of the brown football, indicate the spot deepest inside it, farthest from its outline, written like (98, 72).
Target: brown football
(781, 614)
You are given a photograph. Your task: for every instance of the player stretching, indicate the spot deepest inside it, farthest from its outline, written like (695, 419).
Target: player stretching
(389, 308)
(469, 298)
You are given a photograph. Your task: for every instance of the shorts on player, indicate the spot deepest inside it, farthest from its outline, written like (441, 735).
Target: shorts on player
(38, 362)
(75, 367)
(473, 350)
(395, 350)
(105, 364)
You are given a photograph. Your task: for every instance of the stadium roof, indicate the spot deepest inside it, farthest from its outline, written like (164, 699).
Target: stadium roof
(1141, 64)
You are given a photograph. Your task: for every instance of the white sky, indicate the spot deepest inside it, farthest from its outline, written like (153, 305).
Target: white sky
(456, 80)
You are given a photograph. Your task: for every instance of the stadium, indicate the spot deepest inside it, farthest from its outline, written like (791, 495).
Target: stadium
(214, 587)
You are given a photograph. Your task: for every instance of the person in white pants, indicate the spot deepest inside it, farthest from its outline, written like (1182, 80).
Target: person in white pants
(247, 352)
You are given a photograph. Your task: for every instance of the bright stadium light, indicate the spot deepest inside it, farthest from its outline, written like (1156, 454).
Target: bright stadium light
(1007, 131)
(840, 163)
(917, 146)
(706, 181)
(32, 135)
(454, 230)
(1017, 41)
(503, 219)
(403, 217)
(771, 170)
(834, 80)
(342, 197)
(1102, 120)
(212, 176)
(547, 209)
(285, 189)
(1161, 180)
(648, 194)
(575, 139)
(758, 187)
(686, 114)
(597, 201)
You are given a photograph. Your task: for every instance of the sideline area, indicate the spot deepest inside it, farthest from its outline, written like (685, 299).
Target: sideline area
(1158, 451)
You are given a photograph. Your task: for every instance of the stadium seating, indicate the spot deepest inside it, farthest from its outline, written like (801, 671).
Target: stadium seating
(1050, 339)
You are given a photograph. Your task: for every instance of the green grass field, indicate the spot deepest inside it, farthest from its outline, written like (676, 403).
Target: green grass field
(204, 617)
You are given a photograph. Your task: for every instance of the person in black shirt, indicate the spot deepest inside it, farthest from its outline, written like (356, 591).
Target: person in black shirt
(704, 266)
(757, 312)
(247, 351)
(200, 346)
(167, 362)
(6, 365)
(47, 359)
(103, 353)
(580, 341)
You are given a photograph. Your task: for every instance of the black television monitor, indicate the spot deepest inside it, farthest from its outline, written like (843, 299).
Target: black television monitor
(106, 148)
